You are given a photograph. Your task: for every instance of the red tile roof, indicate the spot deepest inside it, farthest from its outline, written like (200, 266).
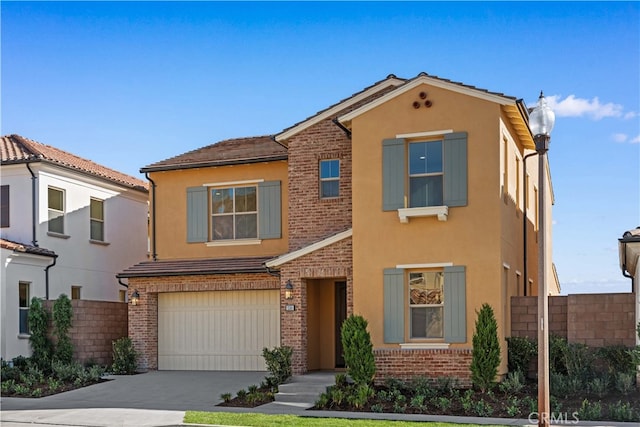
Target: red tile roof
(228, 152)
(26, 248)
(17, 149)
(190, 267)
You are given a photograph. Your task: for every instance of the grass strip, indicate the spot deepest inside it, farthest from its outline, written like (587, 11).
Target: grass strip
(266, 420)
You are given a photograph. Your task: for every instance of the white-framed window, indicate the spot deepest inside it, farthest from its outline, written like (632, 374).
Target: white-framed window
(75, 292)
(23, 307)
(96, 219)
(425, 174)
(426, 304)
(234, 213)
(122, 296)
(56, 207)
(329, 179)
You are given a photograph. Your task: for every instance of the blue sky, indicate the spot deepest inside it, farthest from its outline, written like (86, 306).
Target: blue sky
(127, 84)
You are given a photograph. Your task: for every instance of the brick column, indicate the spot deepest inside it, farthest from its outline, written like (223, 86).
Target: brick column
(143, 327)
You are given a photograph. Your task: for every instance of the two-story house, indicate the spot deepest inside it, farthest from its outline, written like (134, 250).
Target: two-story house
(68, 225)
(406, 203)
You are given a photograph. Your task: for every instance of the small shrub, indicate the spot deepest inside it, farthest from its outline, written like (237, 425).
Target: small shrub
(361, 395)
(513, 383)
(399, 407)
(513, 407)
(622, 412)
(558, 384)
(241, 394)
(358, 350)
(394, 384)
(36, 392)
(54, 384)
(617, 358)
(579, 361)
(66, 372)
(8, 386)
(226, 397)
(558, 348)
(341, 380)
(443, 403)
(599, 386)
(446, 385)
(486, 350)
(124, 357)
(252, 389)
(624, 382)
(466, 400)
(377, 408)
(520, 352)
(337, 395)
(591, 411)
(417, 402)
(278, 361)
(21, 389)
(530, 404)
(422, 386)
(482, 408)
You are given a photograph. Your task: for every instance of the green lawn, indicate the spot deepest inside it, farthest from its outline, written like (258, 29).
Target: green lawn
(263, 420)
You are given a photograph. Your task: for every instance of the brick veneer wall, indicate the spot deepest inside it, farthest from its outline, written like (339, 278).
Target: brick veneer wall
(407, 364)
(143, 318)
(597, 320)
(94, 327)
(334, 261)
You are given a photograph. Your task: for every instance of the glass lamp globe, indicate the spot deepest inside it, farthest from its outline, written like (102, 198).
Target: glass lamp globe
(542, 118)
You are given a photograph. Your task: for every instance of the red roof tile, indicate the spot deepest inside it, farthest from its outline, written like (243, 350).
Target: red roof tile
(26, 248)
(190, 267)
(17, 149)
(228, 152)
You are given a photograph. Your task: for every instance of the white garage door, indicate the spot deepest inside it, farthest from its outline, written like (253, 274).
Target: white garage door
(217, 331)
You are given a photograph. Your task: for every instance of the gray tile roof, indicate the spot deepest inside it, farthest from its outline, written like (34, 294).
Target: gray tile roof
(228, 152)
(191, 267)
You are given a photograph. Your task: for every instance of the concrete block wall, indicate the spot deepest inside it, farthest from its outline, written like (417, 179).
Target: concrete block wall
(597, 320)
(94, 327)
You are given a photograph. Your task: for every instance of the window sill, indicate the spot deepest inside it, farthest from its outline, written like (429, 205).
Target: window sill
(424, 346)
(99, 242)
(440, 211)
(58, 235)
(24, 336)
(234, 242)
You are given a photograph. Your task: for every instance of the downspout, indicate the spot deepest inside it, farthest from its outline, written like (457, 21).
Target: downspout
(154, 255)
(34, 219)
(46, 276)
(120, 281)
(524, 219)
(342, 127)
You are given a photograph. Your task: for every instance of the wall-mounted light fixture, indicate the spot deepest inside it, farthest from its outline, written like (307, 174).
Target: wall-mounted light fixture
(288, 293)
(135, 297)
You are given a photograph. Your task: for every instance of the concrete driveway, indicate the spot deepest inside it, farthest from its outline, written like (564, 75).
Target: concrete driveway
(157, 398)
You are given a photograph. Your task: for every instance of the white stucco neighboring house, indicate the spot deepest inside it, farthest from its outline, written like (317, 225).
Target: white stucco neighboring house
(67, 225)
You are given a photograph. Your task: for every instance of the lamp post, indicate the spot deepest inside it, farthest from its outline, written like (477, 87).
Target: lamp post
(541, 120)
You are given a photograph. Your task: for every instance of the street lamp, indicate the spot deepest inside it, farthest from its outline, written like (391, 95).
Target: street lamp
(541, 120)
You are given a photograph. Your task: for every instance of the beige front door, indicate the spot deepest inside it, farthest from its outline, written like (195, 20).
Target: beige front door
(218, 330)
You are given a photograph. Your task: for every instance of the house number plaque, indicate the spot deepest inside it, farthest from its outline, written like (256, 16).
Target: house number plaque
(290, 307)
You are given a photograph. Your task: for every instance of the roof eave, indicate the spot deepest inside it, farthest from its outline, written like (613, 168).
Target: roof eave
(214, 163)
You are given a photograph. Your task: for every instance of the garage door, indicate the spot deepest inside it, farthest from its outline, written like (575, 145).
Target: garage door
(217, 331)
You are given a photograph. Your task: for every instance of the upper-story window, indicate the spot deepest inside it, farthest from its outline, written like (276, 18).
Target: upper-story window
(425, 174)
(56, 210)
(4, 206)
(96, 213)
(241, 212)
(329, 178)
(234, 213)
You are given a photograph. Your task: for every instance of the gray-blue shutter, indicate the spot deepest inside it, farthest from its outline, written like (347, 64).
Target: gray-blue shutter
(455, 304)
(393, 174)
(455, 169)
(394, 305)
(269, 210)
(197, 215)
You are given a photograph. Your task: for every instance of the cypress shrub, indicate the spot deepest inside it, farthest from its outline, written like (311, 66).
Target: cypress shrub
(486, 350)
(38, 325)
(358, 350)
(62, 315)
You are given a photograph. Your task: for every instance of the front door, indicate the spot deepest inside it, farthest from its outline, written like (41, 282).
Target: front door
(340, 316)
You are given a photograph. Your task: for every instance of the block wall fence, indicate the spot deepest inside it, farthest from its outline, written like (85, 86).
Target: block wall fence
(597, 320)
(94, 327)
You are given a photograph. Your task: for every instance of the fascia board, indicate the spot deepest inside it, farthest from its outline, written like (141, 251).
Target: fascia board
(336, 108)
(309, 249)
(432, 82)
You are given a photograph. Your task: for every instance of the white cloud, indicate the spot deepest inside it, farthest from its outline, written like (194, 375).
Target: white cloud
(630, 115)
(635, 140)
(619, 137)
(580, 107)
